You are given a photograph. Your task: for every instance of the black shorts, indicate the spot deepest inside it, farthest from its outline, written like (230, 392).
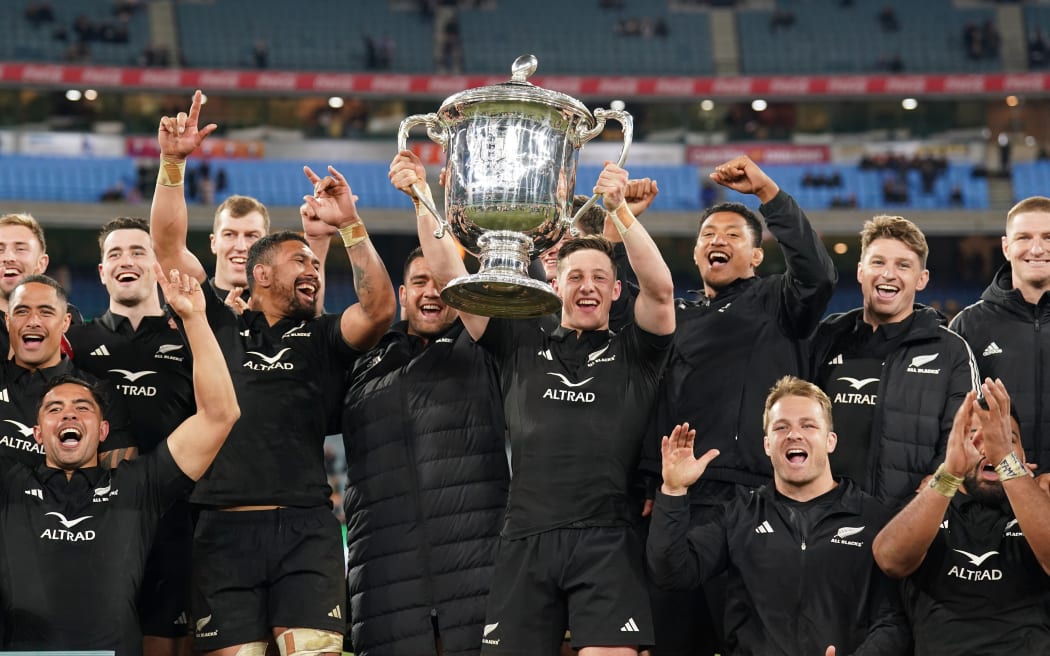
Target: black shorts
(256, 570)
(589, 580)
(164, 599)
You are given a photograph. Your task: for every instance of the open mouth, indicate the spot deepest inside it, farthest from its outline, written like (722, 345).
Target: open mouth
(69, 436)
(886, 292)
(988, 472)
(32, 339)
(796, 456)
(307, 289)
(239, 261)
(717, 258)
(11, 272)
(431, 309)
(127, 276)
(587, 303)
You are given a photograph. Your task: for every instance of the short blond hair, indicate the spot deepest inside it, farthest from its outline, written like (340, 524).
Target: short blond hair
(899, 228)
(794, 386)
(26, 221)
(1030, 204)
(240, 206)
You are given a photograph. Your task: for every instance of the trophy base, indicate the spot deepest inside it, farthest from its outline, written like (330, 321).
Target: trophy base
(497, 295)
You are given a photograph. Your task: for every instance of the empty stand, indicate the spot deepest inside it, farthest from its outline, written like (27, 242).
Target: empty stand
(830, 38)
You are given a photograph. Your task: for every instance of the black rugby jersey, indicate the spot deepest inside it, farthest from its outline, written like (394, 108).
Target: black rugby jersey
(980, 589)
(73, 551)
(576, 411)
(150, 367)
(290, 380)
(22, 390)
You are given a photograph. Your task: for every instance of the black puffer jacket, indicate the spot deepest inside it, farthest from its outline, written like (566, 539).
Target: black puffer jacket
(923, 383)
(424, 434)
(1010, 338)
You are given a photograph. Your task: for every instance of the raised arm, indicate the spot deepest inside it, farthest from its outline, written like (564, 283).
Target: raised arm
(1002, 448)
(441, 254)
(901, 545)
(654, 307)
(177, 136)
(811, 274)
(680, 557)
(318, 235)
(196, 441)
(364, 322)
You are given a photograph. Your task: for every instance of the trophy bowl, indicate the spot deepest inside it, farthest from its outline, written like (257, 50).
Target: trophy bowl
(510, 172)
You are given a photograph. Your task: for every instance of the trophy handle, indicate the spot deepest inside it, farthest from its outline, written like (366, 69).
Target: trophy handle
(626, 122)
(437, 136)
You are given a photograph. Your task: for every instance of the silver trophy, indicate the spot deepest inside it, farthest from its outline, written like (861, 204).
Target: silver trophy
(511, 151)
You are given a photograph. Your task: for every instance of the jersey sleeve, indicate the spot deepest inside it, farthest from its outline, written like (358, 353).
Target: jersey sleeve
(158, 480)
(334, 344)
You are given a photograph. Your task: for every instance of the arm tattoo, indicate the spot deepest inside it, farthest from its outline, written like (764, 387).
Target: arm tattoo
(362, 282)
(111, 459)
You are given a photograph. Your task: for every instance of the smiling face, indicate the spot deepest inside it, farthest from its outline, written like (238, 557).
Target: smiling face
(725, 251)
(889, 274)
(291, 282)
(798, 442)
(21, 255)
(127, 267)
(1026, 247)
(70, 426)
(426, 313)
(587, 286)
(230, 243)
(36, 322)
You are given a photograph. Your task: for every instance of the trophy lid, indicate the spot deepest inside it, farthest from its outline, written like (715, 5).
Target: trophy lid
(517, 90)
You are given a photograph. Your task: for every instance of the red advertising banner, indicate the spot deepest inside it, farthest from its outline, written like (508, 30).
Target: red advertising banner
(299, 83)
(761, 153)
(212, 147)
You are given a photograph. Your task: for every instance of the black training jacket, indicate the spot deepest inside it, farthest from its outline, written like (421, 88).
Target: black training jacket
(923, 383)
(427, 467)
(1010, 339)
(729, 350)
(794, 586)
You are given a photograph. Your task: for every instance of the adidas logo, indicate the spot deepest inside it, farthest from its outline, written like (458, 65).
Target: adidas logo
(764, 527)
(629, 625)
(944, 524)
(102, 350)
(4, 396)
(836, 360)
(991, 349)
(181, 619)
(336, 613)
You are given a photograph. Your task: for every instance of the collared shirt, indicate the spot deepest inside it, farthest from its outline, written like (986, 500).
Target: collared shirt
(290, 380)
(150, 367)
(980, 589)
(576, 411)
(22, 390)
(73, 552)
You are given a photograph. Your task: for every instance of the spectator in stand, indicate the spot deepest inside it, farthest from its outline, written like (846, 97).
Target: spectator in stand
(261, 53)
(1038, 48)
(888, 19)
